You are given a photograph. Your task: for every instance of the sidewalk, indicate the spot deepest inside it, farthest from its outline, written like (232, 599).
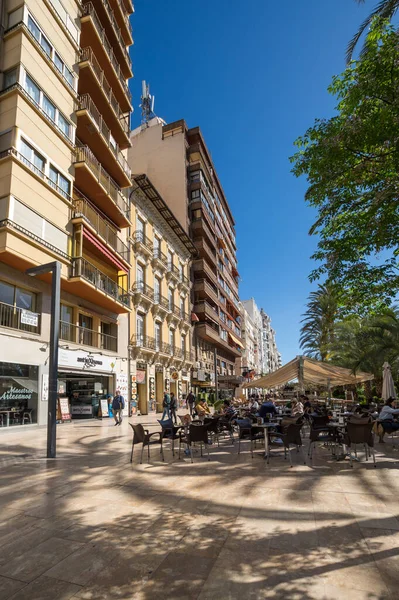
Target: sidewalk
(91, 526)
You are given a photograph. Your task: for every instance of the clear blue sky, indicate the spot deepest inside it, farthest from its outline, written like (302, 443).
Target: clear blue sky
(253, 75)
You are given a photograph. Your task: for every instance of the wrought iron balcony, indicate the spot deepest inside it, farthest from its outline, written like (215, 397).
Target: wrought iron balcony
(87, 337)
(139, 287)
(11, 316)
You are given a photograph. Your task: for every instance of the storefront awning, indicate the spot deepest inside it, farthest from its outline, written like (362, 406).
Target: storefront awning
(235, 340)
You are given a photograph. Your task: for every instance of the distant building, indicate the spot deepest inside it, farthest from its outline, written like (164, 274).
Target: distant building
(271, 357)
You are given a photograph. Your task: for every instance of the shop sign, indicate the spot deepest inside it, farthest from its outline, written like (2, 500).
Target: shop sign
(29, 318)
(104, 407)
(14, 393)
(175, 375)
(140, 376)
(63, 405)
(45, 387)
(86, 362)
(82, 409)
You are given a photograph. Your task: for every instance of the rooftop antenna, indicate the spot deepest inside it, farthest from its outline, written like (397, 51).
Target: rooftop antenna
(147, 104)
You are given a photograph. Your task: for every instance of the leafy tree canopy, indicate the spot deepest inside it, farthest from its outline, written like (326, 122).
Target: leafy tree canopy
(352, 165)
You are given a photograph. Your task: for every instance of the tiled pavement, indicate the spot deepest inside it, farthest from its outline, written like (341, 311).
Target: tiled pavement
(91, 526)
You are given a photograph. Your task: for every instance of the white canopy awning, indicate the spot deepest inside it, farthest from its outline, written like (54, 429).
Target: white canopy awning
(306, 369)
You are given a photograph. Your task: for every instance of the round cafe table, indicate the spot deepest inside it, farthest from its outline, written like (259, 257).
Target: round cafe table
(265, 427)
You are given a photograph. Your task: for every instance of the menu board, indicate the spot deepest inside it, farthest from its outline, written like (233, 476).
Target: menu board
(63, 407)
(104, 407)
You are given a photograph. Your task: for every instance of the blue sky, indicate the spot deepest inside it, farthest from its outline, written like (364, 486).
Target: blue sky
(253, 75)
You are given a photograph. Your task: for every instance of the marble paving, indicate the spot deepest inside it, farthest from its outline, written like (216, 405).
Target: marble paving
(91, 526)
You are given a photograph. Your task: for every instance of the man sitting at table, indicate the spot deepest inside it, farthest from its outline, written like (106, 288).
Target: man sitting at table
(386, 417)
(267, 408)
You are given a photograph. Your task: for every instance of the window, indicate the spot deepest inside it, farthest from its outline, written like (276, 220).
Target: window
(182, 306)
(64, 125)
(170, 258)
(139, 330)
(58, 62)
(69, 77)
(61, 183)
(86, 330)
(45, 44)
(158, 336)
(13, 300)
(32, 89)
(49, 108)
(66, 323)
(10, 78)
(108, 336)
(157, 289)
(33, 157)
(33, 28)
(172, 337)
(140, 229)
(183, 343)
(170, 299)
(140, 277)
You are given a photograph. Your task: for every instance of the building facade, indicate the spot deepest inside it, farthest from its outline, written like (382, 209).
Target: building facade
(64, 134)
(161, 336)
(178, 162)
(271, 356)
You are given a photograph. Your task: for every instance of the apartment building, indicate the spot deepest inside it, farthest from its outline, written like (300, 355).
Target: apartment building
(64, 134)
(161, 337)
(271, 356)
(179, 164)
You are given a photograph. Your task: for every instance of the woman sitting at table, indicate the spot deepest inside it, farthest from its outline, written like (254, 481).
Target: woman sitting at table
(202, 408)
(386, 417)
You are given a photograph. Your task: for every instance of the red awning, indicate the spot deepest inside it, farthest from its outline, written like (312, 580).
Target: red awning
(194, 317)
(103, 249)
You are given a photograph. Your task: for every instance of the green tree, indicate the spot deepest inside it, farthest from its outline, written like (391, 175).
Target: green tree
(385, 9)
(351, 162)
(318, 323)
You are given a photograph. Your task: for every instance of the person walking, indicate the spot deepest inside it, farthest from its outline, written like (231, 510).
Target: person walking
(118, 404)
(173, 408)
(166, 405)
(190, 401)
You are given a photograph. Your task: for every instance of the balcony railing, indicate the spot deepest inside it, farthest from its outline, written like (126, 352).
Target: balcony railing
(82, 207)
(124, 14)
(159, 255)
(87, 337)
(150, 343)
(117, 31)
(10, 316)
(88, 10)
(88, 55)
(139, 236)
(161, 300)
(189, 356)
(185, 280)
(86, 103)
(82, 268)
(139, 287)
(84, 154)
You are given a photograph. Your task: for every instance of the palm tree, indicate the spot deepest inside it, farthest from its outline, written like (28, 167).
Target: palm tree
(385, 9)
(317, 331)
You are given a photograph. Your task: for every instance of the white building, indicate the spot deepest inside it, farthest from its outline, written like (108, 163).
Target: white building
(271, 357)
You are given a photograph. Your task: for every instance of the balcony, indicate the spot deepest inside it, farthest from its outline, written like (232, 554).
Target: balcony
(92, 81)
(143, 294)
(95, 286)
(122, 18)
(199, 228)
(202, 269)
(159, 260)
(151, 345)
(128, 4)
(161, 305)
(204, 290)
(114, 35)
(206, 251)
(96, 184)
(183, 283)
(205, 309)
(210, 334)
(174, 315)
(11, 317)
(93, 36)
(87, 337)
(142, 244)
(173, 273)
(84, 211)
(94, 132)
(189, 356)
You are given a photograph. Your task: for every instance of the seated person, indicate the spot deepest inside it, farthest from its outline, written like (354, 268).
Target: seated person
(386, 417)
(254, 405)
(202, 408)
(297, 408)
(227, 409)
(267, 408)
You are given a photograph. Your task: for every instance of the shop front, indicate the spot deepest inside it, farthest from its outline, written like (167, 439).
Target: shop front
(86, 379)
(19, 386)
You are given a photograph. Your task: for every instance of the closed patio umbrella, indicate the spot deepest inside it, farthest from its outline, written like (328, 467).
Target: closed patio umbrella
(388, 387)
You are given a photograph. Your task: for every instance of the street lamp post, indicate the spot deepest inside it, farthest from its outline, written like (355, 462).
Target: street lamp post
(55, 269)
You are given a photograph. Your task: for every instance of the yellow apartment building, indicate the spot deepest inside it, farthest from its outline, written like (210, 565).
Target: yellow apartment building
(64, 182)
(161, 333)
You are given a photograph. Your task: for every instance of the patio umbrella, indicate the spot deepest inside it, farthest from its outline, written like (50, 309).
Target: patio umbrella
(388, 387)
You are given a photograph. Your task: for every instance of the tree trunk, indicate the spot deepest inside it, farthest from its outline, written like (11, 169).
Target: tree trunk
(368, 390)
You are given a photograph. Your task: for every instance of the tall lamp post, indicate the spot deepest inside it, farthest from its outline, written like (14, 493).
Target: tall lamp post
(55, 269)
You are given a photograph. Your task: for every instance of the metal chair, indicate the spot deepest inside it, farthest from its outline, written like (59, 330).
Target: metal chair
(360, 434)
(290, 436)
(321, 435)
(386, 425)
(143, 436)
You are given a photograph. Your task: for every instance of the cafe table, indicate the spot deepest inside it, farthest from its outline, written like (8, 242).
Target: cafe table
(7, 413)
(265, 427)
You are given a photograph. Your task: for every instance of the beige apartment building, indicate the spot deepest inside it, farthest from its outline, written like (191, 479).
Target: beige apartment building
(161, 337)
(179, 164)
(64, 181)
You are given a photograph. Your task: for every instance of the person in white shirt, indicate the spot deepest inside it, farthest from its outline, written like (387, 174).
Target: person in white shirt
(297, 408)
(386, 417)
